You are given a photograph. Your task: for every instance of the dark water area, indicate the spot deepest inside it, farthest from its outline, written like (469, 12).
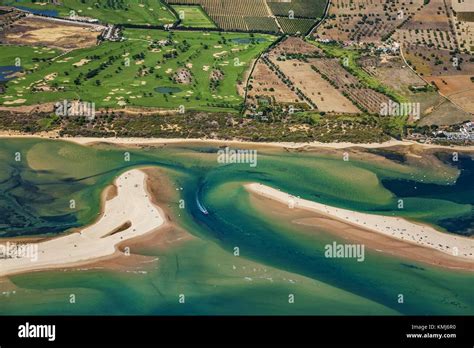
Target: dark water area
(17, 216)
(248, 40)
(7, 70)
(461, 225)
(462, 192)
(48, 13)
(390, 155)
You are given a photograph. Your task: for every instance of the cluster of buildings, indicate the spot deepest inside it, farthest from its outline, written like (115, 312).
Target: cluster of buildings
(326, 41)
(164, 43)
(112, 33)
(388, 48)
(85, 19)
(465, 133)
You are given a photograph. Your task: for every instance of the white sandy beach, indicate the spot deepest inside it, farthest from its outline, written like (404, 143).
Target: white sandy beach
(393, 227)
(289, 145)
(129, 214)
(145, 141)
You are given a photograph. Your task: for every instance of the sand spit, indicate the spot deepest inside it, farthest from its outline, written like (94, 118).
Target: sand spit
(426, 236)
(130, 213)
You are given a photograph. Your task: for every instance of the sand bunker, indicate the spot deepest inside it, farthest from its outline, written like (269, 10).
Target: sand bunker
(219, 54)
(81, 62)
(16, 101)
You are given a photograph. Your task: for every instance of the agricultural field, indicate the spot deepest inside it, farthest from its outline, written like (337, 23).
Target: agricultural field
(193, 16)
(295, 46)
(458, 88)
(296, 25)
(298, 8)
(349, 57)
(464, 10)
(434, 109)
(315, 73)
(150, 69)
(443, 113)
(464, 30)
(432, 15)
(261, 24)
(327, 97)
(265, 85)
(451, 73)
(44, 32)
(271, 86)
(244, 15)
(431, 26)
(143, 12)
(366, 21)
(349, 85)
(444, 40)
(433, 62)
(258, 15)
(430, 63)
(393, 72)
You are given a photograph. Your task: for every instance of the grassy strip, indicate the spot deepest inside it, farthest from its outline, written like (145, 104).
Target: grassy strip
(193, 17)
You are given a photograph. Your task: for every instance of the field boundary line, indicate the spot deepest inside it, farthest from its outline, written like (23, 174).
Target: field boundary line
(276, 42)
(428, 83)
(317, 25)
(272, 15)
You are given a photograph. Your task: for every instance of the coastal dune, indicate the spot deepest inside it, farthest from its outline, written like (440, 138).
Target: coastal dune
(127, 215)
(461, 248)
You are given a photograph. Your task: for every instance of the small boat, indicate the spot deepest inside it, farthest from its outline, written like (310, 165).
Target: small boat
(201, 207)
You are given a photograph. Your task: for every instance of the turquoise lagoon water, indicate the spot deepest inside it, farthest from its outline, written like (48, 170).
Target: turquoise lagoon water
(276, 257)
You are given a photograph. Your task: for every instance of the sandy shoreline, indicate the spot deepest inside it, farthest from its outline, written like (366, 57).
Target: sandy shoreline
(455, 247)
(161, 141)
(128, 214)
